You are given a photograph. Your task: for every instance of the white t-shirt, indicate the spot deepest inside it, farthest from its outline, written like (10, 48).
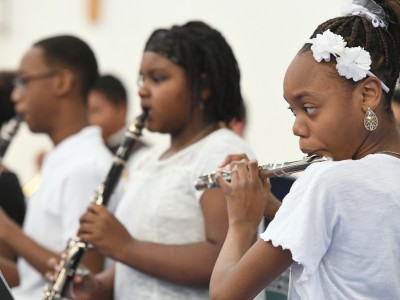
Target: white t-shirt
(341, 222)
(162, 206)
(71, 173)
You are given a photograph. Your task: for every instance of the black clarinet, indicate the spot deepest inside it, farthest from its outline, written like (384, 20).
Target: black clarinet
(8, 134)
(75, 249)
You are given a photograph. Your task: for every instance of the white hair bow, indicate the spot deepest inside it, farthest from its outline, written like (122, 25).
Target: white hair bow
(365, 8)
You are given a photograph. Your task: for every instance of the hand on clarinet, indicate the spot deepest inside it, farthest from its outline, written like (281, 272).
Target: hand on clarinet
(84, 285)
(102, 229)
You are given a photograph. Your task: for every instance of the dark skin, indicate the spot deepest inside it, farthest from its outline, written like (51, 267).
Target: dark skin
(165, 93)
(322, 103)
(8, 260)
(55, 106)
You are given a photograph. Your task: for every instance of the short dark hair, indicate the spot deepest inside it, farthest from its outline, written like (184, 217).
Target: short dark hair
(112, 88)
(7, 110)
(73, 53)
(208, 61)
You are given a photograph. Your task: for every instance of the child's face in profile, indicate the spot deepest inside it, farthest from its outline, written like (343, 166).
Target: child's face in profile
(35, 97)
(164, 92)
(328, 114)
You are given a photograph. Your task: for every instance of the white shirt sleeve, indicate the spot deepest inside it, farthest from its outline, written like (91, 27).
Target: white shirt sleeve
(305, 222)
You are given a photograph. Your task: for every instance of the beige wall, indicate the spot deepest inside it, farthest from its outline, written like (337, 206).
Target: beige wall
(265, 35)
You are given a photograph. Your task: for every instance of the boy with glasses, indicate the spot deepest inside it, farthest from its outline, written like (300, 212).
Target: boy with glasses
(50, 93)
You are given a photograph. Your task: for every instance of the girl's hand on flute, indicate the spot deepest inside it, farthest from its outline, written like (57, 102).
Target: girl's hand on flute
(246, 194)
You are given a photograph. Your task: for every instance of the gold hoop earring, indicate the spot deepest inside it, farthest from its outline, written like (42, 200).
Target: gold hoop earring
(370, 120)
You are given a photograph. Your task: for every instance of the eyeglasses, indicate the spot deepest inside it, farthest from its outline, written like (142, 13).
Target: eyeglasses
(21, 82)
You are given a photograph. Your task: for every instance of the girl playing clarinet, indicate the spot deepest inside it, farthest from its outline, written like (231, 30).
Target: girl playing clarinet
(166, 236)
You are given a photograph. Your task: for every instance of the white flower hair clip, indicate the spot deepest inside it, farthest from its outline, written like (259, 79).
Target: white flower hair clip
(351, 62)
(365, 8)
(325, 44)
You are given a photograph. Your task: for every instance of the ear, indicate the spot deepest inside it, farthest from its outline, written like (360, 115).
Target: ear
(64, 82)
(371, 91)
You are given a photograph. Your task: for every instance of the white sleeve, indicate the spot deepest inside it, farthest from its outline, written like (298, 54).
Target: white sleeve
(305, 222)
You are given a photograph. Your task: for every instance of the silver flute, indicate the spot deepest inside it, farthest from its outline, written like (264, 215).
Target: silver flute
(69, 266)
(208, 181)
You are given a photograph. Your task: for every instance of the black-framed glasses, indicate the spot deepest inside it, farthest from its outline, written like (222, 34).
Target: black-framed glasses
(21, 82)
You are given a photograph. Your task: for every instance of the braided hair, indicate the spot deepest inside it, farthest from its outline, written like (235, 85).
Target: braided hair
(383, 44)
(208, 61)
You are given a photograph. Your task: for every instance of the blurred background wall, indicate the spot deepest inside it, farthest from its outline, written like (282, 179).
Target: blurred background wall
(265, 36)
